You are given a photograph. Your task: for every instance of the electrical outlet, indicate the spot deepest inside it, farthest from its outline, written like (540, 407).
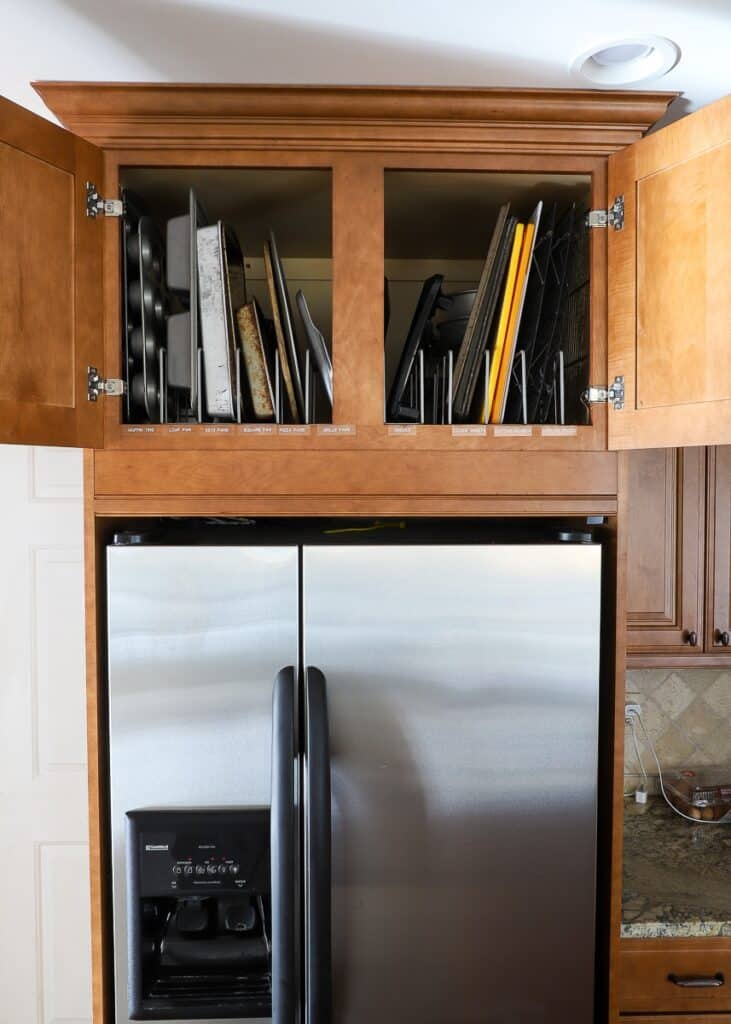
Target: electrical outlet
(632, 709)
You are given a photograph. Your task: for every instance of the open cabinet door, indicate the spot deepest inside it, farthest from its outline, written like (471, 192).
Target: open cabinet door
(670, 285)
(50, 283)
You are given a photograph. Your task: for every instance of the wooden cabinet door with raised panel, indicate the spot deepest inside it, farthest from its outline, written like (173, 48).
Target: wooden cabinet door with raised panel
(669, 300)
(718, 552)
(50, 283)
(663, 493)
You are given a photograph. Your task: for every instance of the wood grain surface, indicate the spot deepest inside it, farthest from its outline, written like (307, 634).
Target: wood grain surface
(96, 709)
(666, 542)
(157, 116)
(668, 273)
(285, 475)
(50, 283)
(645, 985)
(357, 352)
(718, 552)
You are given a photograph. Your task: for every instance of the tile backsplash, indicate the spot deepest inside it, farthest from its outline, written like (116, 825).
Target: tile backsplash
(687, 713)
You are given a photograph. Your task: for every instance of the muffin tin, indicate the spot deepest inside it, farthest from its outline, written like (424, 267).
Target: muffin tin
(145, 309)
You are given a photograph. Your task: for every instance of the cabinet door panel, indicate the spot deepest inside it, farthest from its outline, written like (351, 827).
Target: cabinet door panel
(50, 283)
(718, 591)
(669, 301)
(663, 495)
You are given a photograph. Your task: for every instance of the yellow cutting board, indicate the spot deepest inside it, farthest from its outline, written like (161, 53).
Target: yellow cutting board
(503, 320)
(508, 348)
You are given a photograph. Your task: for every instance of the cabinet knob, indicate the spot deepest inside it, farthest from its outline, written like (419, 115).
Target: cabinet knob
(723, 637)
(691, 637)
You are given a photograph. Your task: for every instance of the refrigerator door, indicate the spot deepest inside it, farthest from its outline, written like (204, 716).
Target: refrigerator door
(197, 637)
(462, 693)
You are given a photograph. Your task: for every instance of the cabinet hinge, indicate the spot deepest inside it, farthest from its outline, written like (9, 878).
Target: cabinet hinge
(611, 218)
(98, 207)
(594, 395)
(97, 385)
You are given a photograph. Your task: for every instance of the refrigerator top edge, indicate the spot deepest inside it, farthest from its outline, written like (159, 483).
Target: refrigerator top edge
(294, 531)
(568, 539)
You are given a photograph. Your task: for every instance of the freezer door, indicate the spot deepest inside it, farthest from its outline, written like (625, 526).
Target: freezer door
(462, 695)
(197, 637)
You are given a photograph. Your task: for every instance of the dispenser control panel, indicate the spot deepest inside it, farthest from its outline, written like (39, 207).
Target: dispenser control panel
(199, 851)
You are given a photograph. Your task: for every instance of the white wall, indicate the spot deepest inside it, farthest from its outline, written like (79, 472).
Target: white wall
(417, 42)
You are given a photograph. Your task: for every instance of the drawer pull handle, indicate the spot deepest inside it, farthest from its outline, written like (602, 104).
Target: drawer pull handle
(697, 980)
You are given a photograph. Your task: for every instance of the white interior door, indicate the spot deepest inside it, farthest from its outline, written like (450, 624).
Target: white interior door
(45, 959)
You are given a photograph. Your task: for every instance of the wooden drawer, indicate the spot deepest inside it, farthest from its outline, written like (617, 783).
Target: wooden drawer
(646, 985)
(683, 1018)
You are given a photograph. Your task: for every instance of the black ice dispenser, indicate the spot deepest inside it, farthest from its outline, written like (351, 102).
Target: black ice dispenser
(199, 912)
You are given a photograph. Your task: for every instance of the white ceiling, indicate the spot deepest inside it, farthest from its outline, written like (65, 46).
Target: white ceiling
(418, 42)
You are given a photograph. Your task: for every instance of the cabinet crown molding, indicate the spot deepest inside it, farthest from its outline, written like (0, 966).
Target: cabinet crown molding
(155, 115)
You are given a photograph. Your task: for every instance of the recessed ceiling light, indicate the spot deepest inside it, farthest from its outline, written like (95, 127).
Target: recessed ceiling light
(627, 61)
(621, 53)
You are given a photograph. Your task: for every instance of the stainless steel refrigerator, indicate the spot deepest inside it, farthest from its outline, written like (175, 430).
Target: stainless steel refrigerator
(419, 725)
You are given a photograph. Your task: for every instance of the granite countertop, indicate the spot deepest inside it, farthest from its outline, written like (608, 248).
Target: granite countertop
(677, 876)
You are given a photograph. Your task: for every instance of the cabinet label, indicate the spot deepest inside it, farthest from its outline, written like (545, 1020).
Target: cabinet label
(469, 430)
(294, 428)
(336, 429)
(397, 429)
(144, 428)
(257, 428)
(514, 430)
(558, 430)
(216, 428)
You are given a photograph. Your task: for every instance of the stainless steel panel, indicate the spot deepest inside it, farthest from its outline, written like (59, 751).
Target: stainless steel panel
(463, 700)
(196, 638)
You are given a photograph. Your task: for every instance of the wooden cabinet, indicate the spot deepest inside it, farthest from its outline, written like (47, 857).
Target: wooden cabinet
(718, 553)
(359, 138)
(50, 283)
(675, 976)
(685, 1018)
(678, 514)
(663, 492)
(658, 269)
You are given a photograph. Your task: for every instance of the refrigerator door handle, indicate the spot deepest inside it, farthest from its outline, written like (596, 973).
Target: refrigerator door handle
(283, 849)
(318, 966)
